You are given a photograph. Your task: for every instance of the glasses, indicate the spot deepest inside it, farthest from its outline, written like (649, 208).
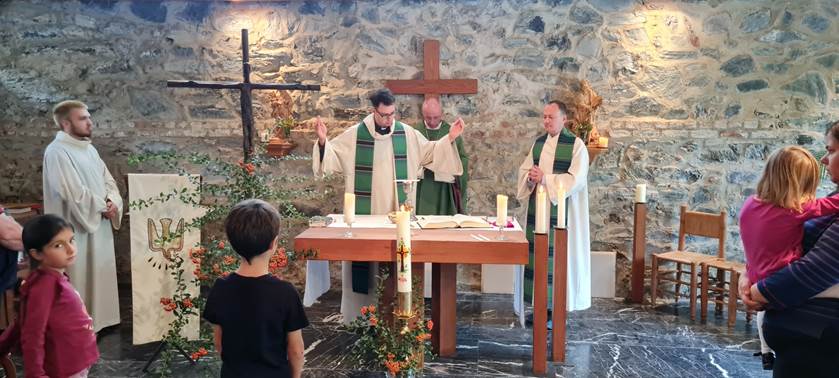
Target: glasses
(385, 115)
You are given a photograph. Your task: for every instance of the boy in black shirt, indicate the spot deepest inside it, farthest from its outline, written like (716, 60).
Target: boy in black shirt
(257, 318)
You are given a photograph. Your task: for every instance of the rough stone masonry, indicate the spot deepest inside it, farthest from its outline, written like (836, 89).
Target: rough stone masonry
(696, 93)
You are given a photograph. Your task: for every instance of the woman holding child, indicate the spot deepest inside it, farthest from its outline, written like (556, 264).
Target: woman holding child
(800, 294)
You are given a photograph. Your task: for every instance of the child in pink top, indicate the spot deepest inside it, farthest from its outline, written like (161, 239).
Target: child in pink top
(56, 336)
(772, 220)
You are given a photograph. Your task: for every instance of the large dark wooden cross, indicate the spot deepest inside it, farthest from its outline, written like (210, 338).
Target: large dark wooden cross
(431, 85)
(245, 87)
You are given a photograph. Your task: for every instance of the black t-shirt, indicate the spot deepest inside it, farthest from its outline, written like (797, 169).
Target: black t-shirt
(255, 315)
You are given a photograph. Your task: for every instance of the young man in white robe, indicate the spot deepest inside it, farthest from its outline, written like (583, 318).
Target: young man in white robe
(79, 188)
(562, 160)
(371, 155)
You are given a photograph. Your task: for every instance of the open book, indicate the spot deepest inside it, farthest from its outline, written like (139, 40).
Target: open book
(452, 221)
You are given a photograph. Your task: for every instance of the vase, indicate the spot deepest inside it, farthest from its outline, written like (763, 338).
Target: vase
(280, 147)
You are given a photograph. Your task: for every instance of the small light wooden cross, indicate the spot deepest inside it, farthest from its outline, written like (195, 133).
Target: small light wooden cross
(402, 252)
(431, 85)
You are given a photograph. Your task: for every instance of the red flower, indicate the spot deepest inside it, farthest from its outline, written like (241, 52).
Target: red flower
(202, 351)
(221, 244)
(225, 274)
(429, 324)
(229, 260)
(390, 356)
(170, 307)
(187, 303)
(363, 310)
(374, 321)
(165, 301)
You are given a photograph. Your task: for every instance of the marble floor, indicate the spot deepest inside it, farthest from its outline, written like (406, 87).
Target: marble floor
(612, 339)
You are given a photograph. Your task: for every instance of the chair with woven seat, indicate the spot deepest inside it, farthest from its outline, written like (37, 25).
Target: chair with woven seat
(690, 223)
(720, 290)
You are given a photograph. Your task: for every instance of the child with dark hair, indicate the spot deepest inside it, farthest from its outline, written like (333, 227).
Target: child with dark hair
(257, 318)
(57, 335)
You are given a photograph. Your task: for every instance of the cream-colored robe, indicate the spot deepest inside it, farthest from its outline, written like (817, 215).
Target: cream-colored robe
(76, 185)
(339, 157)
(575, 183)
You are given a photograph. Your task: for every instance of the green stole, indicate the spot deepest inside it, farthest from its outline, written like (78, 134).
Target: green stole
(438, 198)
(562, 161)
(364, 147)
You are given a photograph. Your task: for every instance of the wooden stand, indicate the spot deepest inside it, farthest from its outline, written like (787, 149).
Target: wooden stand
(443, 299)
(540, 304)
(560, 311)
(639, 250)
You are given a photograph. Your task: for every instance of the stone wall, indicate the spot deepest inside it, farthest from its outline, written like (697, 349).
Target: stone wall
(696, 93)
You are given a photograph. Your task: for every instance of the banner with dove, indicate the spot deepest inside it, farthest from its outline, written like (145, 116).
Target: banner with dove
(157, 235)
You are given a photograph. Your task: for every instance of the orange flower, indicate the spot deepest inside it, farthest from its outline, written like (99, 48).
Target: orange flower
(390, 356)
(372, 308)
(392, 367)
(229, 260)
(221, 244)
(249, 168)
(202, 351)
(363, 310)
(429, 324)
(170, 307)
(374, 321)
(187, 303)
(225, 274)
(216, 269)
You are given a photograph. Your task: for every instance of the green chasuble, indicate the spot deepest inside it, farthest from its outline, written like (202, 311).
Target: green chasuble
(562, 161)
(440, 198)
(364, 146)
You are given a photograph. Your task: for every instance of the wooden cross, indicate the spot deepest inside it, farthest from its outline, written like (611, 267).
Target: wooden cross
(431, 85)
(402, 252)
(245, 87)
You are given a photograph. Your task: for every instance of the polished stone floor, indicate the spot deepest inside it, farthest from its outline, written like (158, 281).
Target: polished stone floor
(612, 339)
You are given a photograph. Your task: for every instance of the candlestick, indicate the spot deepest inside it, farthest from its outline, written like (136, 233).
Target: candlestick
(501, 215)
(603, 142)
(641, 193)
(560, 207)
(541, 203)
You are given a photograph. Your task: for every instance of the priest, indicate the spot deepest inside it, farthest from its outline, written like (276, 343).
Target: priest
(557, 158)
(439, 193)
(370, 156)
(79, 188)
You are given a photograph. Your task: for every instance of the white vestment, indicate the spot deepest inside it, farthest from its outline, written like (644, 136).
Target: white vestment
(575, 183)
(76, 186)
(339, 157)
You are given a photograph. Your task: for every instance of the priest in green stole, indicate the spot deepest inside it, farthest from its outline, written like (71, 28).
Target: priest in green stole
(438, 193)
(557, 157)
(370, 156)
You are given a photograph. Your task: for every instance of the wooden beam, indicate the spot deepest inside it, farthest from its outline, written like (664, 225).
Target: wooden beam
(446, 86)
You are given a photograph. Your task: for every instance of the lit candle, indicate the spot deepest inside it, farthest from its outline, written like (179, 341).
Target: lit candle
(501, 210)
(403, 251)
(349, 208)
(560, 207)
(641, 193)
(541, 204)
(603, 142)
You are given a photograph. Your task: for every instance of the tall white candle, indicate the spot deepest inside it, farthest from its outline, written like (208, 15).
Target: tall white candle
(560, 207)
(403, 251)
(641, 193)
(541, 204)
(501, 210)
(349, 208)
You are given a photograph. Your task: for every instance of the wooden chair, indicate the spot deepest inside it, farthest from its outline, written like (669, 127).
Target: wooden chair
(722, 290)
(690, 223)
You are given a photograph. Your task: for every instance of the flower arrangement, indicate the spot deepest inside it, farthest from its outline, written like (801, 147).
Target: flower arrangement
(582, 102)
(228, 184)
(400, 347)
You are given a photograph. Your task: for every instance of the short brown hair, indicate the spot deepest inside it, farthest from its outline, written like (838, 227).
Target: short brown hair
(251, 227)
(790, 178)
(61, 111)
(559, 104)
